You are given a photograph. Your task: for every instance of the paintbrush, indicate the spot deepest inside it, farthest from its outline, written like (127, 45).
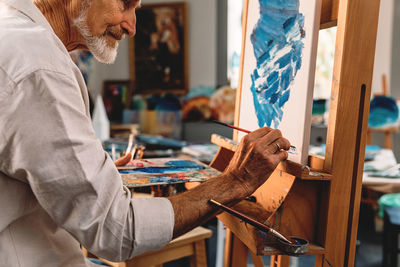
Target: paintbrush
(231, 126)
(134, 151)
(113, 154)
(236, 128)
(256, 224)
(130, 143)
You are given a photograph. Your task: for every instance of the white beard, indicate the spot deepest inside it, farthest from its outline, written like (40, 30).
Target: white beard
(97, 45)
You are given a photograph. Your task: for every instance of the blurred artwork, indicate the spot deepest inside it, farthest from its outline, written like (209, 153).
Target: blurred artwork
(196, 109)
(222, 104)
(116, 95)
(159, 50)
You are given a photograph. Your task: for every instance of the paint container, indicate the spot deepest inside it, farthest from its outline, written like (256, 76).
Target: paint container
(299, 248)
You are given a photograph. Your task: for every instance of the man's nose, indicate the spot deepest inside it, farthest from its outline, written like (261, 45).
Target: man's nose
(129, 23)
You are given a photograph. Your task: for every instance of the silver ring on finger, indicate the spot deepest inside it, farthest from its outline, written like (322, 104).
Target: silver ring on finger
(278, 148)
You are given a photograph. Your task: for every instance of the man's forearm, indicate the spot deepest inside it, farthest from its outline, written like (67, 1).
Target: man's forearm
(192, 208)
(257, 156)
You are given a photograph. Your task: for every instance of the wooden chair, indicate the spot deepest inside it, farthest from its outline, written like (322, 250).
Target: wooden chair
(191, 244)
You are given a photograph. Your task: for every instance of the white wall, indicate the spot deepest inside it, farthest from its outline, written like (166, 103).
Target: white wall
(202, 20)
(383, 51)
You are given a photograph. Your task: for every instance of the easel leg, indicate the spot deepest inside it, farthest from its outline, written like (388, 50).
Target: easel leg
(319, 260)
(280, 261)
(236, 252)
(228, 248)
(257, 260)
(199, 259)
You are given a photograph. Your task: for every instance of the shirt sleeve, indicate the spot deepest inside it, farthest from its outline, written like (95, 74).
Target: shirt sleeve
(53, 147)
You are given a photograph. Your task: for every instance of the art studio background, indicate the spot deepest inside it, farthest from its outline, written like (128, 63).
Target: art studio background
(175, 115)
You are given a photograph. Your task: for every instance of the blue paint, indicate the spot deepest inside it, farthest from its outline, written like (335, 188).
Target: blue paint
(277, 40)
(184, 163)
(165, 180)
(383, 112)
(171, 167)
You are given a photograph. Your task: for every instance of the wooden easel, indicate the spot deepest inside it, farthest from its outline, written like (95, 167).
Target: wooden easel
(320, 203)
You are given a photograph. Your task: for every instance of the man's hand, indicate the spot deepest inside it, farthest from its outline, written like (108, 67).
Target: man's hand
(256, 158)
(258, 155)
(123, 160)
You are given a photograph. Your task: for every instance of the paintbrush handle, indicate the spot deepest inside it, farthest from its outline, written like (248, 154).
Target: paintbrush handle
(237, 128)
(249, 220)
(231, 126)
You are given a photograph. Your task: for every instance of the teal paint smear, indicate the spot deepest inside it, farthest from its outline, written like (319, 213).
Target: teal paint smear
(277, 40)
(184, 163)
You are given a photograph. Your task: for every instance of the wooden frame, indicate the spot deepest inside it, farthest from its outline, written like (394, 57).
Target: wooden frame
(117, 96)
(159, 51)
(320, 202)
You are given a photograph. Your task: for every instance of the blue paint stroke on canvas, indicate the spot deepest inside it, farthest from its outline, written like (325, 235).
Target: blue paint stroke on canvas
(277, 40)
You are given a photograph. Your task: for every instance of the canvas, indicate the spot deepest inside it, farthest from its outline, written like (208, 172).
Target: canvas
(277, 69)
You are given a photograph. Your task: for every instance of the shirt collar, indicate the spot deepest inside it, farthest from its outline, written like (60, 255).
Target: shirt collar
(30, 10)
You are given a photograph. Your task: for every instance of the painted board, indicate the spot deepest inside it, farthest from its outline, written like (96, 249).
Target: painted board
(159, 171)
(277, 69)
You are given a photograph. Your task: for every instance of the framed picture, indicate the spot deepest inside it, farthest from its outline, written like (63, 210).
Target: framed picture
(116, 97)
(159, 50)
(277, 69)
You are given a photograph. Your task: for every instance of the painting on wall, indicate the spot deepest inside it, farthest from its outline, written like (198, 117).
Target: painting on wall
(158, 52)
(277, 69)
(116, 96)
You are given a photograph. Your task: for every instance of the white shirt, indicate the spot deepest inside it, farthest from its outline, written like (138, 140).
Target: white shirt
(58, 188)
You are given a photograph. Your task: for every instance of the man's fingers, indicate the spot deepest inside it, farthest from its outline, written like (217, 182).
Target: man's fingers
(124, 160)
(260, 132)
(278, 145)
(272, 136)
(282, 155)
(283, 143)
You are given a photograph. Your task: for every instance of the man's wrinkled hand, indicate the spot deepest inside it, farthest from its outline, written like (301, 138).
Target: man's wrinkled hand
(258, 155)
(123, 160)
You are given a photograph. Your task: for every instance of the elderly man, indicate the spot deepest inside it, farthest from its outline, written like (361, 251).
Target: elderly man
(58, 188)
